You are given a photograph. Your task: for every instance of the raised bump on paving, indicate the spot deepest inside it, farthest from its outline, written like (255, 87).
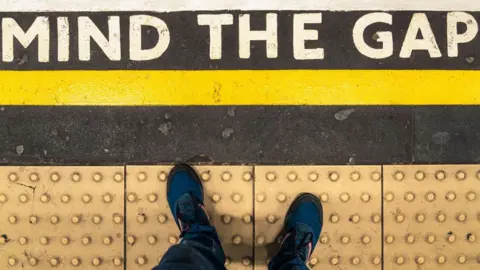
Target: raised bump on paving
(151, 229)
(46, 224)
(351, 197)
(431, 217)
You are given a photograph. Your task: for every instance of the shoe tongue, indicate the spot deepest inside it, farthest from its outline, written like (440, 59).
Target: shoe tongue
(298, 242)
(189, 211)
(186, 209)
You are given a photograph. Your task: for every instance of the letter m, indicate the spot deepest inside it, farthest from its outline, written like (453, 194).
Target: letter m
(39, 29)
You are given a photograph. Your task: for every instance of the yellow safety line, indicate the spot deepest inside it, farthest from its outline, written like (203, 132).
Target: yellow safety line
(244, 87)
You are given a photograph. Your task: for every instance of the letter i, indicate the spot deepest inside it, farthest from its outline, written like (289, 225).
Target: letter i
(63, 39)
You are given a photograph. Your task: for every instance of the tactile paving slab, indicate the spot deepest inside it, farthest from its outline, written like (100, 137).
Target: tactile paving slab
(151, 229)
(351, 197)
(432, 217)
(72, 217)
(61, 217)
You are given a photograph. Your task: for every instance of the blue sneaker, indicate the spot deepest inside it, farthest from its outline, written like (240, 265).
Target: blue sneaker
(185, 198)
(303, 225)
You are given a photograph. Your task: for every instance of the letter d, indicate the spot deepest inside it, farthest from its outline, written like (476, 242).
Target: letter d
(136, 51)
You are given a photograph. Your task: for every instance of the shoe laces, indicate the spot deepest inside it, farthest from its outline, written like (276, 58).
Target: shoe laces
(298, 243)
(190, 210)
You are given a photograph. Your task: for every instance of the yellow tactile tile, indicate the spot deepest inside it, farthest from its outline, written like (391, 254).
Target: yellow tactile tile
(432, 217)
(61, 217)
(351, 197)
(151, 229)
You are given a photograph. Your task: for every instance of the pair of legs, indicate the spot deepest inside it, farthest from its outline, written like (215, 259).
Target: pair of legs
(200, 246)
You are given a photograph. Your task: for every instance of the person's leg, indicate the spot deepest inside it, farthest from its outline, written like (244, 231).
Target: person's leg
(200, 246)
(303, 224)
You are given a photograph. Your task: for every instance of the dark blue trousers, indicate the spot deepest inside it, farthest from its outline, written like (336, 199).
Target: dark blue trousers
(200, 248)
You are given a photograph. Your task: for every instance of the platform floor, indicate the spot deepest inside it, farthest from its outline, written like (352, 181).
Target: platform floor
(116, 217)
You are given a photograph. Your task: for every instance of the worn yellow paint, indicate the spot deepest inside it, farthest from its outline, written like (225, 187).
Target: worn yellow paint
(246, 87)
